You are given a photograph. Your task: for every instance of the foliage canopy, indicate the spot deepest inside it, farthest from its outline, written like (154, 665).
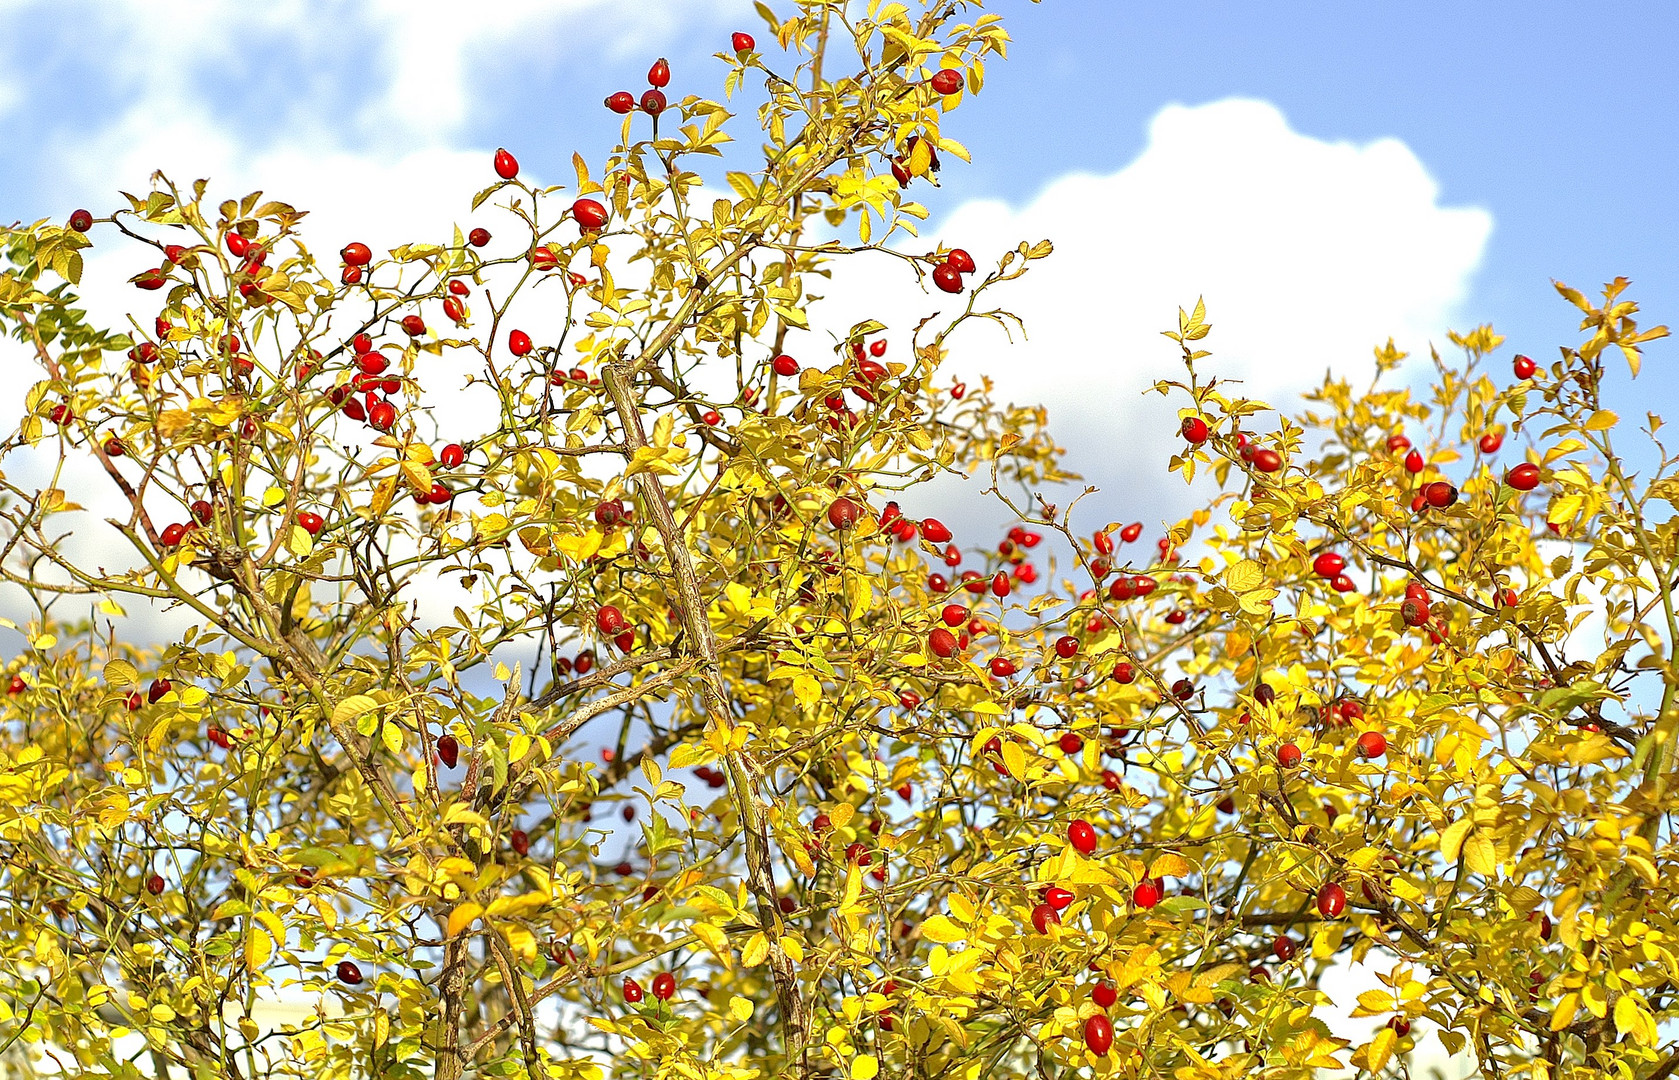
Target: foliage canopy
(853, 853)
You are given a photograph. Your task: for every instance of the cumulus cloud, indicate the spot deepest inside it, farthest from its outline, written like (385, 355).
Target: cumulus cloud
(1309, 253)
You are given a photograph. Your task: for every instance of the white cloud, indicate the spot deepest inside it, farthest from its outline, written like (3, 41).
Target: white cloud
(1308, 252)
(397, 73)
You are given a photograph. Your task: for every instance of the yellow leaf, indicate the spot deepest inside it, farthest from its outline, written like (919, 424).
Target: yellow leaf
(579, 548)
(1380, 1050)
(714, 939)
(806, 690)
(1452, 836)
(258, 948)
(1602, 420)
(1014, 759)
(740, 1008)
(853, 887)
(1245, 576)
(120, 673)
(350, 708)
(1374, 1002)
(864, 1067)
(1480, 855)
(1169, 864)
(793, 947)
(757, 950)
(462, 917)
(1632, 1019)
(942, 930)
(841, 815)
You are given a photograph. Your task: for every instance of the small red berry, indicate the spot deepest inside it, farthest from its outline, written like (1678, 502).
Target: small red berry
(1194, 430)
(1044, 917)
(1082, 835)
(632, 991)
(1104, 995)
(1372, 744)
(519, 343)
(1146, 894)
(348, 972)
(942, 643)
(1329, 564)
(1414, 611)
(448, 750)
(653, 102)
(507, 166)
(785, 366)
(1439, 494)
(959, 260)
(311, 522)
(742, 42)
(356, 253)
(590, 215)
(1099, 1034)
(1124, 673)
(844, 513)
(1002, 667)
(1414, 462)
(1332, 900)
(1057, 897)
(1491, 442)
(1288, 755)
(610, 621)
(947, 81)
(1267, 461)
(519, 841)
(622, 102)
(451, 456)
(947, 278)
(659, 74)
(478, 237)
(413, 325)
(1524, 367)
(1066, 646)
(1524, 477)
(1283, 947)
(81, 220)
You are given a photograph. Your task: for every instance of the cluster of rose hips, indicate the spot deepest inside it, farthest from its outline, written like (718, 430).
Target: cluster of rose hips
(947, 275)
(653, 99)
(857, 852)
(664, 988)
(1195, 431)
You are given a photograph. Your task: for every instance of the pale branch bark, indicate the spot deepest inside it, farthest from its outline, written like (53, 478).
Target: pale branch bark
(743, 783)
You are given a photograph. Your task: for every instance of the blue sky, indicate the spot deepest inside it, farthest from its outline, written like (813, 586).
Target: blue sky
(1553, 142)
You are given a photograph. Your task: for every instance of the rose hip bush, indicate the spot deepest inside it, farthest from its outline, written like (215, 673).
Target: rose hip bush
(721, 758)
